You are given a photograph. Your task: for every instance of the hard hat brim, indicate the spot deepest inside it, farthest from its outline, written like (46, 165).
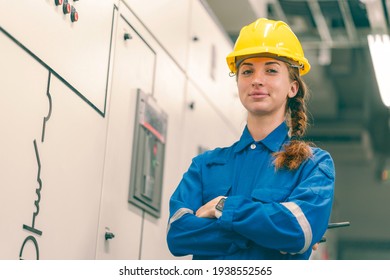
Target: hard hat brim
(258, 51)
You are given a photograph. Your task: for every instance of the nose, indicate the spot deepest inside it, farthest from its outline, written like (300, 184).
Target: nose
(257, 80)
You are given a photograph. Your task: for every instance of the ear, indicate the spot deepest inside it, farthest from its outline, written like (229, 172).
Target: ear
(294, 86)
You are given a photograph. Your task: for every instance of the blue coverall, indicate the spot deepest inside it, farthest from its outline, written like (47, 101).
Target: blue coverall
(268, 213)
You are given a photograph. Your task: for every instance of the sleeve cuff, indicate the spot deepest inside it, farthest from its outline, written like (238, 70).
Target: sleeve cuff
(226, 220)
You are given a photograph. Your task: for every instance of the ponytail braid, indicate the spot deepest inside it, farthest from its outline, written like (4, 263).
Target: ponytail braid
(297, 150)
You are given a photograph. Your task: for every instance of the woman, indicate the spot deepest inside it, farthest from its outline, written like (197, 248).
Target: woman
(269, 195)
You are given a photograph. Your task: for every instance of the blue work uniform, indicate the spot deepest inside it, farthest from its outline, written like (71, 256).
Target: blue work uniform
(268, 213)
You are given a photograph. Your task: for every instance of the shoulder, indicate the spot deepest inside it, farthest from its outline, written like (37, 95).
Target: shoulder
(323, 160)
(320, 154)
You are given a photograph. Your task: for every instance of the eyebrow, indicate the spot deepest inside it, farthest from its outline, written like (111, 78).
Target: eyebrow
(272, 62)
(267, 63)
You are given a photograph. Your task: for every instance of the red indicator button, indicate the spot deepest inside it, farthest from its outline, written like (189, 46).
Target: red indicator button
(155, 150)
(74, 15)
(58, 2)
(66, 7)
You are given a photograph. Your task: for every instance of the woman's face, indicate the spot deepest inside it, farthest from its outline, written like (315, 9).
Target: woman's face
(264, 86)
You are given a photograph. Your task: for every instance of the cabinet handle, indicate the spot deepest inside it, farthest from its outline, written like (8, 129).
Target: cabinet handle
(109, 235)
(127, 36)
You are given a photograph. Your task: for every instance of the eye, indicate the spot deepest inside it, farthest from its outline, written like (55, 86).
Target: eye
(272, 70)
(246, 72)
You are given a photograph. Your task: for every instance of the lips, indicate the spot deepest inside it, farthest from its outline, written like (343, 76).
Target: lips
(258, 94)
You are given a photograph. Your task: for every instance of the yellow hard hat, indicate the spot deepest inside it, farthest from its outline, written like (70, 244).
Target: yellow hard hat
(268, 37)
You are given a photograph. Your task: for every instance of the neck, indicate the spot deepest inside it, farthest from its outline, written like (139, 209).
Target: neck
(260, 127)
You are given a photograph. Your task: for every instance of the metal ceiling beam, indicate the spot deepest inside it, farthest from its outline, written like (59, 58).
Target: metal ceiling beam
(348, 20)
(279, 10)
(259, 7)
(376, 15)
(388, 8)
(319, 19)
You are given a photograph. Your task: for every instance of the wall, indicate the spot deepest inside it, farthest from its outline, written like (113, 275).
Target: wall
(68, 92)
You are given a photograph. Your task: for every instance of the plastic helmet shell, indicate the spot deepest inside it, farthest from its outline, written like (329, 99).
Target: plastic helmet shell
(266, 36)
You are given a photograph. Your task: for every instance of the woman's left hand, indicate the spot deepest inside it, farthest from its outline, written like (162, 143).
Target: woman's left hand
(208, 210)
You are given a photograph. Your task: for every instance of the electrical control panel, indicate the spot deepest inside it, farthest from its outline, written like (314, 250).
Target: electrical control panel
(148, 155)
(70, 38)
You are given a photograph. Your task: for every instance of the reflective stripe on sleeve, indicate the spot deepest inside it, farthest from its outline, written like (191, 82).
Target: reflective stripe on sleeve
(302, 221)
(179, 213)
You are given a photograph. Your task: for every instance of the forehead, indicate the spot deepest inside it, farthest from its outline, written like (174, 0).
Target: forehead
(261, 60)
(263, 57)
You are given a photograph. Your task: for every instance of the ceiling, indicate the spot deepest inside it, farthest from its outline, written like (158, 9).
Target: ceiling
(347, 115)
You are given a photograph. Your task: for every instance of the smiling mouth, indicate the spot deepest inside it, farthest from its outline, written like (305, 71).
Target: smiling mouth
(258, 94)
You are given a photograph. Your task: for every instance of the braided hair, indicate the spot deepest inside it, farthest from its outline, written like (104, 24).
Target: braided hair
(297, 150)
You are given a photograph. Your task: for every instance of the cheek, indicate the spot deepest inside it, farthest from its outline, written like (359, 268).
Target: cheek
(243, 84)
(242, 89)
(283, 87)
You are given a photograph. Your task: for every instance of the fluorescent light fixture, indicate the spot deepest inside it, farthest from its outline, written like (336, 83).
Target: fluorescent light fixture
(379, 46)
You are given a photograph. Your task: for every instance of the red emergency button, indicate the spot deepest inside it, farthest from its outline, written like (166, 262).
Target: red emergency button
(155, 150)
(74, 15)
(66, 7)
(58, 2)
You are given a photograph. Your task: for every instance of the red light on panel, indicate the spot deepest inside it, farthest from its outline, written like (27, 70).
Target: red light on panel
(66, 8)
(74, 15)
(58, 2)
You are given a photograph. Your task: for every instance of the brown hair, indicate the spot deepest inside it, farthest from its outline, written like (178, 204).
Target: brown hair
(297, 150)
